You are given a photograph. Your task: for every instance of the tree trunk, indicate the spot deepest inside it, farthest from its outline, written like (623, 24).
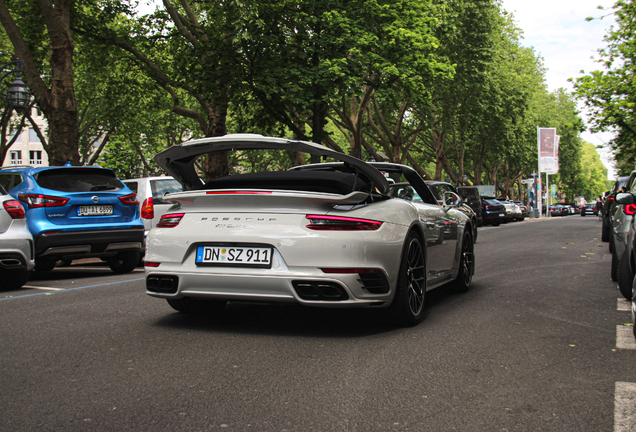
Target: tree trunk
(58, 102)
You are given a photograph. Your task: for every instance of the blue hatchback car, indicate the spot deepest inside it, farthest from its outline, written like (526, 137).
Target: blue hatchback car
(78, 212)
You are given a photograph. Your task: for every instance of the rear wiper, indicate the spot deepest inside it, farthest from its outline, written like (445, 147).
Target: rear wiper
(102, 187)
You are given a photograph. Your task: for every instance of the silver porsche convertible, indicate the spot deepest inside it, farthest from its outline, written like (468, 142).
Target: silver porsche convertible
(343, 233)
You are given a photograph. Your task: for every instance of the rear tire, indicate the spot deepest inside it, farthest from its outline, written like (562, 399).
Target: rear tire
(407, 308)
(614, 267)
(124, 262)
(605, 231)
(464, 278)
(44, 265)
(625, 276)
(634, 305)
(195, 306)
(12, 280)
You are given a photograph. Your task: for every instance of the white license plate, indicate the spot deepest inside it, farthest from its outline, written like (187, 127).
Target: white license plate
(501, 215)
(99, 210)
(235, 256)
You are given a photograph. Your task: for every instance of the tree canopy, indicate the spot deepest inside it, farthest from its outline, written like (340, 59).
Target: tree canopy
(609, 93)
(445, 86)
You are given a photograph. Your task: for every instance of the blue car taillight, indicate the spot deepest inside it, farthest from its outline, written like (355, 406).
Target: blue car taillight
(38, 200)
(130, 199)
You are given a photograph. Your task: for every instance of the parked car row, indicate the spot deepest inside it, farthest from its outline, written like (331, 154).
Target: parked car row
(53, 214)
(496, 211)
(621, 237)
(562, 210)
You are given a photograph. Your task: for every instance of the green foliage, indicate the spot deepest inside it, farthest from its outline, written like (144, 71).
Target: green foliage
(592, 180)
(610, 94)
(451, 75)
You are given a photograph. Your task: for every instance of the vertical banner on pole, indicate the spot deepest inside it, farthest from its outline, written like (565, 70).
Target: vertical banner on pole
(548, 143)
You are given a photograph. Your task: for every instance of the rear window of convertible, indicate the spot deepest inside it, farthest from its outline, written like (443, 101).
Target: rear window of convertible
(79, 180)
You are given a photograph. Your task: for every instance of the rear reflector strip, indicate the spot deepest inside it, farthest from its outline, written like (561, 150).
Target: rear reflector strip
(239, 192)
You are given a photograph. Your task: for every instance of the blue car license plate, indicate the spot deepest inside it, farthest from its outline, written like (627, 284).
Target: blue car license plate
(95, 210)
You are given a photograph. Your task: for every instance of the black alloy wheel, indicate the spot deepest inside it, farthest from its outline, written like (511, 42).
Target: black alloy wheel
(466, 265)
(407, 308)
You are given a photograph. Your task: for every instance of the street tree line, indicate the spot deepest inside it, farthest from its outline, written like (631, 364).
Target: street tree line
(609, 93)
(445, 86)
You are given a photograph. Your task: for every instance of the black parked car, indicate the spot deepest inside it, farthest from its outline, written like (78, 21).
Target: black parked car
(588, 209)
(492, 211)
(472, 199)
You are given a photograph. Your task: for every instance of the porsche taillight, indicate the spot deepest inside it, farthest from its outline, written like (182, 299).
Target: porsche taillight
(148, 209)
(130, 199)
(170, 220)
(15, 209)
(325, 223)
(38, 200)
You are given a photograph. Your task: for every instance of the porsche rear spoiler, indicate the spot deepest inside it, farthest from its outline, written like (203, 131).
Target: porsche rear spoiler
(178, 160)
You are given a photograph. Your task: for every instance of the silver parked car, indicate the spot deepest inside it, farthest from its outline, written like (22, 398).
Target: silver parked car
(150, 192)
(16, 243)
(620, 237)
(323, 235)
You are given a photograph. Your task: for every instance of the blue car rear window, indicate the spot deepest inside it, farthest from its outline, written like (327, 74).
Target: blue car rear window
(79, 180)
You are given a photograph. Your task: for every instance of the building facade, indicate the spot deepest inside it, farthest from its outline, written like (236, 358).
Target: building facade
(27, 149)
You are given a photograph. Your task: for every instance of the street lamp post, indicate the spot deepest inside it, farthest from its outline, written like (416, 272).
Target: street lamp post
(18, 94)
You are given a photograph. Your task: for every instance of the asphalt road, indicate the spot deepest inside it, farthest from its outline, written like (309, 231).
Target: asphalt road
(532, 347)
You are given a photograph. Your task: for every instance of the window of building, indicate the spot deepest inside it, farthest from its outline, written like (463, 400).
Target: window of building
(33, 137)
(16, 157)
(35, 157)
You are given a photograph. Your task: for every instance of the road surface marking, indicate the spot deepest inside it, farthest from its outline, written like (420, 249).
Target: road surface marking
(71, 289)
(42, 288)
(624, 404)
(623, 305)
(625, 338)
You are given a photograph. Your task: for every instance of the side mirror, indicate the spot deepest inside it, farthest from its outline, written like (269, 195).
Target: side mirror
(625, 198)
(451, 199)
